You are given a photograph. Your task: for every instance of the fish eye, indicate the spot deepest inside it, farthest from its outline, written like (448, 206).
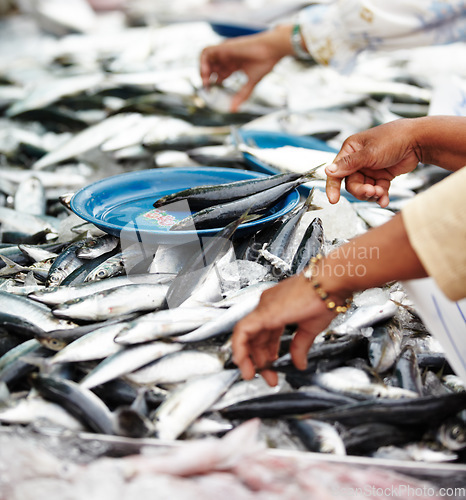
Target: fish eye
(102, 273)
(455, 431)
(55, 344)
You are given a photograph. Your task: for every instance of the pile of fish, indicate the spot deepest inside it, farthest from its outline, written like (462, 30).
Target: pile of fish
(100, 335)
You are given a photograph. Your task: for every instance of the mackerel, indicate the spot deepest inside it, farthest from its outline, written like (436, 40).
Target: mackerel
(310, 246)
(36, 314)
(94, 345)
(114, 302)
(364, 316)
(190, 401)
(88, 139)
(178, 367)
(126, 361)
(79, 401)
(59, 294)
(166, 323)
(422, 411)
(223, 323)
(32, 410)
(96, 247)
(317, 436)
(223, 213)
(197, 268)
(205, 196)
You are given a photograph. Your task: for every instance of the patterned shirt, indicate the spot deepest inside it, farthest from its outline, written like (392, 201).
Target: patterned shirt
(336, 32)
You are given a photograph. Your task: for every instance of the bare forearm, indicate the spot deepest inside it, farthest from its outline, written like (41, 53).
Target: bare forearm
(441, 140)
(381, 255)
(279, 39)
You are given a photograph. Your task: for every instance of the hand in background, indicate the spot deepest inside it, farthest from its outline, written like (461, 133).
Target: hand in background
(255, 55)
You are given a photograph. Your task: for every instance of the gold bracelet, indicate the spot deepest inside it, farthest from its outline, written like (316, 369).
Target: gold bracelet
(309, 273)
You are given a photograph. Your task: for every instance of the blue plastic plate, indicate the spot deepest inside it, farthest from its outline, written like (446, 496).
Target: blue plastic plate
(266, 139)
(231, 30)
(123, 204)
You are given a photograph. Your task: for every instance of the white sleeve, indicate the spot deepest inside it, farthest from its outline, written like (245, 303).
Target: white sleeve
(336, 32)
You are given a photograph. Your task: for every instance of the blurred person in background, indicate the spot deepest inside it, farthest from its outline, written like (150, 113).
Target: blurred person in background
(7, 7)
(428, 238)
(333, 34)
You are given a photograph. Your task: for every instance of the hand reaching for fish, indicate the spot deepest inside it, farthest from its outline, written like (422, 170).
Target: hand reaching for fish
(370, 160)
(255, 55)
(256, 340)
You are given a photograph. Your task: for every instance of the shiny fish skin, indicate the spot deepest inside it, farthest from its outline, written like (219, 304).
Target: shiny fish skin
(286, 404)
(126, 361)
(198, 267)
(80, 402)
(97, 247)
(114, 302)
(224, 213)
(364, 316)
(65, 264)
(310, 246)
(30, 197)
(53, 296)
(166, 323)
(320, 437)
(204, 196)
(188, 402)
(356, 383)
(94, 345)
(385, 346)
(32, 312)
(87, 139)
(222, 324)
(280, 241)
(178, 367)
(421, 411)
(29, 410)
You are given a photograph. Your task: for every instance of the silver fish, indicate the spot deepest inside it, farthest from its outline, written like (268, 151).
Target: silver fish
(114, 302)
(364, 316)
(356, 383)
(35, 409)
(178, 367)
(166, 323)
(30, 197)
(127, 361)
(97, 344)
(26, 223)
(79, 401)
(31, 312)
(385, 346)
(96, 247)
(59, 294)
(189, 401)
(318, 436)
(88, 139)
(223, 323)
(45, 93)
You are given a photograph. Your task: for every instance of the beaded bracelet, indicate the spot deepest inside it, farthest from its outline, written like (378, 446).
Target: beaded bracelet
(309, 273)
(296, 42)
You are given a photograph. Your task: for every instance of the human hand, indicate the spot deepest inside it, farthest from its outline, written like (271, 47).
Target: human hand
(256, 338)
(369, 160)
(255, 55)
